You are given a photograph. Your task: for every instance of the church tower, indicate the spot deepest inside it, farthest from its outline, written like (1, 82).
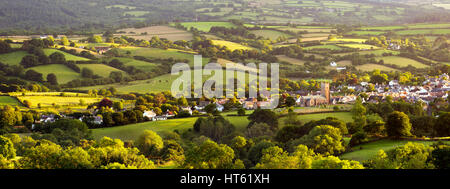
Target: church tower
(325, 90)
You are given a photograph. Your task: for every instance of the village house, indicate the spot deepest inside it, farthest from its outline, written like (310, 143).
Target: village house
(149, 114)
(101, 50)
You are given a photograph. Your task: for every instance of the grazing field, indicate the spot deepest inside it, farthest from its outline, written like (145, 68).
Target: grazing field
(63, 73)
(142, 65)
(147, 33)
(348, 40)
(366, 32)
(206, 26)
(131, 132)
(157, 84)
(424, 32)
(359, 46)
(12, 58)
(68, 56)
(344, 116)
(378, 52)
(306, 29)
(330, 47)
(161, 53)
(48, 101)
(135, 13)
(371, 67)
(383, 28)
(7, 100)
(290, 60)
(231, 45)
(402, 62)
(366, 151)
(101, 69)
(270, 34)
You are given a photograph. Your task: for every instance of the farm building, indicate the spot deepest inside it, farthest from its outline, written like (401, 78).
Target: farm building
(101, 50)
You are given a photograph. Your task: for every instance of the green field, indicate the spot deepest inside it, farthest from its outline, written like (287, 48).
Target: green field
(359, 46)
(12, 58)
(383, 28)
(348, 40)
(378, 52)
(160, 53)
(402, 62)
(101, 69)
(142, 65)
(330, 47)
(131, 132)
(136, 13)
(371, 67)
(206, 26)
(47, 101)
(7, 100)
(270, 34)
(366, 32)
(231, 45)
(369, 150)
(290, 60)
(63, 73)
(68, 56)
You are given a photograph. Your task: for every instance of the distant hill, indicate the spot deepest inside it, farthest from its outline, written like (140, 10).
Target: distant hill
(90, 16)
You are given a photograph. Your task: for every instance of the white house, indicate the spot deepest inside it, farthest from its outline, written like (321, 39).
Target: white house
(149, 114)
(334, 64)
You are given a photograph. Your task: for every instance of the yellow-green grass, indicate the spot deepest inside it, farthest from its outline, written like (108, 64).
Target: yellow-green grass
(131, 132)
(206, 26)
(307, 29)
(91, 45)
(63, 73)
(350, 40)
(68, 94)
(7, 100)
(424, 32)
(12, 58)
(68, 56)
(366, 151)
(290, 60)
(136, 13)
(383, 28)
(270, 34)
(359, 46)
(402, 62)
(366, 32)
(147, 33)
(428, 25)
(47, 101)
(309, 35)
(344, 116)
(371, 67)
(157, 84)
(378, 52)
(15, 45)
(231, 45)
(100, 69)
(330, 47)
(161, 53)
(142, 65)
